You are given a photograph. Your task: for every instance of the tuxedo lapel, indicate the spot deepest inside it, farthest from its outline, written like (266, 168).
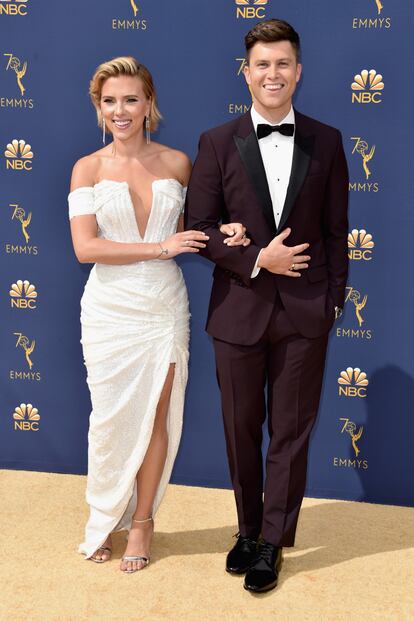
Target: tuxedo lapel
(248, 148)
(249, 151)
(302, 155)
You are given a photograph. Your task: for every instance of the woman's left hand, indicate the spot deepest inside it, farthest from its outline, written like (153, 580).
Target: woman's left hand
(236, 233)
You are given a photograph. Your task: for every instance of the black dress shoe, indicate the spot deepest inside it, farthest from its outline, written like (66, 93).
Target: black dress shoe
(241, 555)
(264, 571)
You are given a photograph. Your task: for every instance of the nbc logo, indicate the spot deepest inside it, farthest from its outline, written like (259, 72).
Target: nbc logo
(23, 295)
(250, 9)
(353, 383)
(26, 418)
(13, 7)
(360, 244)
(19, 155)
(367, 87)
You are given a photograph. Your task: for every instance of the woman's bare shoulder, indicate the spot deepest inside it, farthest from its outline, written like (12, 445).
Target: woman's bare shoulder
(86, 170)
(177, 163)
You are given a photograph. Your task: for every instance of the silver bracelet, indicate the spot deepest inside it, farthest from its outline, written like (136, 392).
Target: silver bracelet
(163, 251)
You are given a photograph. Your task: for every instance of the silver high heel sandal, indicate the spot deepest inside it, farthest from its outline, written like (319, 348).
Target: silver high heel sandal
(144, 559)
(106, 550)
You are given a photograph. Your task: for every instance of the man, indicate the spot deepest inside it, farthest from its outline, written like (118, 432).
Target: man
(284, 176)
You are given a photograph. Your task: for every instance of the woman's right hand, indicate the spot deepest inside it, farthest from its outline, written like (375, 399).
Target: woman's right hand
(187, 241)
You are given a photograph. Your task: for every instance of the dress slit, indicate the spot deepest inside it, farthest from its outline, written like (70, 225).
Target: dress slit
(122, 520)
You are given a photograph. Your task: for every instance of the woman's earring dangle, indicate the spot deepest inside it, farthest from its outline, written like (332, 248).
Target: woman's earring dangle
(103, 131)
(147, 129)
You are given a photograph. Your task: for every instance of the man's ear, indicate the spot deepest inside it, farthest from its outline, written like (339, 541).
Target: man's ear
(246, 71)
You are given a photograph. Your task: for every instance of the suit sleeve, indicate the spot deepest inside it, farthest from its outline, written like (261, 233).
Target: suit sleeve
(206, 208)
(336, 225)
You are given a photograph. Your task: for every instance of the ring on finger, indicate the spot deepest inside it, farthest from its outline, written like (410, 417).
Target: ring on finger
(292, 267)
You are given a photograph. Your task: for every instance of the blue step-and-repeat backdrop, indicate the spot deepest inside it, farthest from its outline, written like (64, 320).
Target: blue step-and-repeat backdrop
(356, 57)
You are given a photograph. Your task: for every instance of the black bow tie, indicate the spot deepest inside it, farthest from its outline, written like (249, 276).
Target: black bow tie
(264, 130)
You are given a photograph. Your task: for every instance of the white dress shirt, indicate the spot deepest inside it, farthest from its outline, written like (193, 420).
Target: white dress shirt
(277, 155)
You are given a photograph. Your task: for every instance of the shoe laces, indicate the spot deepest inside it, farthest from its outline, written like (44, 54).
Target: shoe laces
(266, 551)
(246, 540)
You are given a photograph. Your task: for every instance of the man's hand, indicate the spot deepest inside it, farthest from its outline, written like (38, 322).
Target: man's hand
(280, 259)
(236, 234)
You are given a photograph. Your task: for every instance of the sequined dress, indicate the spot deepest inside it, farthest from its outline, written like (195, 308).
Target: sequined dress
(135, 322)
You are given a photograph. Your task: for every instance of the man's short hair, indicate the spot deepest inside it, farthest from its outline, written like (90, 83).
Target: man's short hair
(272, 30)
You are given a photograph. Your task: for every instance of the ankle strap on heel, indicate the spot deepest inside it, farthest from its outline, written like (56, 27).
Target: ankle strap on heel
(142, 521)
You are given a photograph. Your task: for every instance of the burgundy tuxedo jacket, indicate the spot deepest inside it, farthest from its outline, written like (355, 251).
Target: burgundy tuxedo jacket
(228, 184)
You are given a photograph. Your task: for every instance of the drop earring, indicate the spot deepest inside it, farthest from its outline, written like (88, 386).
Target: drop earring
(147, 129)
(103, 131)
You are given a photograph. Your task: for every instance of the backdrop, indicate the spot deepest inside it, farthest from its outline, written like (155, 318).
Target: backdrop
(355, 78)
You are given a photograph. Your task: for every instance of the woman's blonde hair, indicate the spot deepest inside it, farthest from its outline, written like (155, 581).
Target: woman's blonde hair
(124, 65)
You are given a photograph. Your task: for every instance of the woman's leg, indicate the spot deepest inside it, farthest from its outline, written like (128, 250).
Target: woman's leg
(148, 478)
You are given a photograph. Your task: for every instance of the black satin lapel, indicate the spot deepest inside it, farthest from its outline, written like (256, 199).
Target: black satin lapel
(302, 155)
(249, 151)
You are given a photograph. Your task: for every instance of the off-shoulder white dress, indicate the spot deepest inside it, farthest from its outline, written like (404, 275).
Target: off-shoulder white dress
(135, 322)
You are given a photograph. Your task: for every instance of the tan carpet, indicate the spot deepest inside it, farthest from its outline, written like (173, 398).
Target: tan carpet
(352, 562)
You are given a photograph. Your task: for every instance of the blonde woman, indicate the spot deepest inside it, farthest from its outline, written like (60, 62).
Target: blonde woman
(125, 209)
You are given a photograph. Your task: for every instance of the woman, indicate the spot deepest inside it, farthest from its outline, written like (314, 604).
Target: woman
(125, 209)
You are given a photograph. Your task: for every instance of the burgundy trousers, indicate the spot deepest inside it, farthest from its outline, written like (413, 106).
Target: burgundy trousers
(292, 366)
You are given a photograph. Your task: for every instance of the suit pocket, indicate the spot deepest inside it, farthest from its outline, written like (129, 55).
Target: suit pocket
(317, 273)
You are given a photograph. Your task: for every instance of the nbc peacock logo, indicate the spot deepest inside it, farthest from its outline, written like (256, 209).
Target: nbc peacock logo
(353, 383)
(26, 418)
(250, 9)
(13, 7)
(367, 87)
(23, 295)
(360, 245)
(19, 155)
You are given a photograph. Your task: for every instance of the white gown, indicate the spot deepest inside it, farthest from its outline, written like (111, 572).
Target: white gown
(135, 322)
